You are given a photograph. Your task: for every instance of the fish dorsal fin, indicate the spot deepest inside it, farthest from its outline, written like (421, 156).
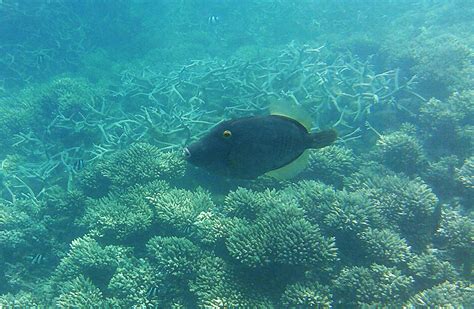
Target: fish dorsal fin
(292, 169)
(289, 109)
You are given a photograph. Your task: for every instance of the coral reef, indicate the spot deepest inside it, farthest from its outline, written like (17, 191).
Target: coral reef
(99, 209)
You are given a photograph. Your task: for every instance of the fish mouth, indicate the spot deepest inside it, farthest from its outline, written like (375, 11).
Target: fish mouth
(186, 153)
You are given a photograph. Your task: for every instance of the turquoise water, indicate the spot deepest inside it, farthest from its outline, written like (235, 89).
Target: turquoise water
(99, 208)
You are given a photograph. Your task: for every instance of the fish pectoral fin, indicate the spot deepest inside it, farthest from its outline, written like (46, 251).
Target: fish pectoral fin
(292, 169)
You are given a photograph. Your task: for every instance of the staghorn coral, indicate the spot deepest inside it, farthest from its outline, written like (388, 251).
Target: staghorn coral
(375, 285)
(290, 241)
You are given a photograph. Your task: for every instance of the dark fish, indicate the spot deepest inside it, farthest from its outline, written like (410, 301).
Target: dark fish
(249, 147)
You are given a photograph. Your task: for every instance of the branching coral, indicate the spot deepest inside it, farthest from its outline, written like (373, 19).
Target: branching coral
(447, 294)
(446, 124)
(401, 152)
(178, 209)
(410, 205)
(455, 234)
(384, 247)
(281, 236)
(376, 285)
(87, 257)
(139, 164)
(465, 174)
(440, 175)
(428, 270)
(308, 294)
(331, 164)
(217, 284)
(20, 230)
(175, 257)
(79, 292)
(134, 284)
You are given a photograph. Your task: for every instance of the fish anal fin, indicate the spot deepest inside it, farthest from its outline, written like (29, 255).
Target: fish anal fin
(292, 169)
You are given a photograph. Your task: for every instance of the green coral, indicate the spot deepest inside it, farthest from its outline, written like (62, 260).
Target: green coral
(401, 152)
(465, 174)
(308, 294)
(440, 175)
(139, 164)
(134, 283)
(217, 284)
(246, 204)
(89, 258)
(457, 294)
(178, 209)
(410, 205)
(280, 236)
(175, 257)
(79, 292)
(211, 227)
(446, 124)
(455, 234)
(122, 216)
(20, 228)
(439, 61)
(375, 285)
(19, 300)
(428, 270)
(331, 164)
(384, 247)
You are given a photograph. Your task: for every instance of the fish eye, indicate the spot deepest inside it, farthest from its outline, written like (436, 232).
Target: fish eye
(227, 133)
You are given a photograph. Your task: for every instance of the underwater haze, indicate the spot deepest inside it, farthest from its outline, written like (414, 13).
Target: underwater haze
(101, 205)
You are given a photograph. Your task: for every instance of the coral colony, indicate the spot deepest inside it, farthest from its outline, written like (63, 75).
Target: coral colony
(98, 207)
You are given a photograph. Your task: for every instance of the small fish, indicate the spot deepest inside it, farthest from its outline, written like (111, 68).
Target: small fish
(212, 20)
(78, 165)
(249, 147)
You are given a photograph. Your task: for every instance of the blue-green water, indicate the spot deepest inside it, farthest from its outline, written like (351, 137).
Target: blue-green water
(99, 208)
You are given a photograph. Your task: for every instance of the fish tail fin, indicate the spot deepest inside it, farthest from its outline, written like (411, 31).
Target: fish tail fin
(323, 138)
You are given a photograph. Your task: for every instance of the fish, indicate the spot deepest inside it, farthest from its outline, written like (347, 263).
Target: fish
(213, 19)
(78, 165)
(249, 147)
